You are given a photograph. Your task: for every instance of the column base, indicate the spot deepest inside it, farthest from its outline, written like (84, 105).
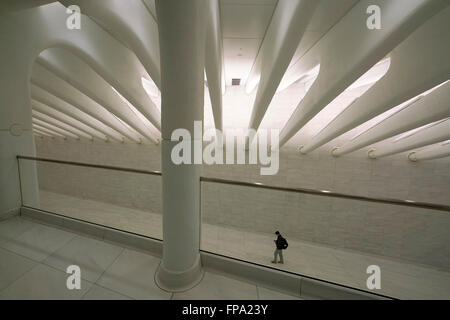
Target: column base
(174, 281)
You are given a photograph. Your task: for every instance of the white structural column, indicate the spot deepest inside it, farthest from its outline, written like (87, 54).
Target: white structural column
(181, 34)
(437, 133)
(428, 109)
(435, 152)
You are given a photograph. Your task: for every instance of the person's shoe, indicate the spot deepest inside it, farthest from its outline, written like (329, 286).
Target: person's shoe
(281, 262)
(273, 261)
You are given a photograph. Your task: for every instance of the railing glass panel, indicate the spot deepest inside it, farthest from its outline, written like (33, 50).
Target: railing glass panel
(331, 238)
(117, 198)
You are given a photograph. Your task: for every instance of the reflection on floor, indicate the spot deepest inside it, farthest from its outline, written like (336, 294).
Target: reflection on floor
(34, 258)
(398, 278)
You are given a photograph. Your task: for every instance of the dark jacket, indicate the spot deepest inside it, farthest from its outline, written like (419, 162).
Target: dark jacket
(281, 242)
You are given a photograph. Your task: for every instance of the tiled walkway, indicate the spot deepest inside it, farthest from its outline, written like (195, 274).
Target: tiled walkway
(399, 279)
(34, 258)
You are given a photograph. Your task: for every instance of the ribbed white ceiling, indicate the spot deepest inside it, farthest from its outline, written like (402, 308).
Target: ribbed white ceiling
(324, 82)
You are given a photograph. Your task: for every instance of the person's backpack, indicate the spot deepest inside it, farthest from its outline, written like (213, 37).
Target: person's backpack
(285, 243)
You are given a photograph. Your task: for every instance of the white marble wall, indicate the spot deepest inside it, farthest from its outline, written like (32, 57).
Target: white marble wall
(418, 235)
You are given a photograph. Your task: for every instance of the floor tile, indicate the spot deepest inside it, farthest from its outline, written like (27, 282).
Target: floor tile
(38, 242)
(12, 266)
(13, 228)
(99, 293)
(217, 287)
(268, 294)
(132, 274)
(43, 283)
(91, 255)
(400, 278)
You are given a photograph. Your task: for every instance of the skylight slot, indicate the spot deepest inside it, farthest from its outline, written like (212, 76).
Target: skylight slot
(152, 91)
(307, 79)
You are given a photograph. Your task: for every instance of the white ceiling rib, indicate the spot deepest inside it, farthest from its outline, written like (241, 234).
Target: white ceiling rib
(65, 118)
(423, 111)
(438, 133)
(58, 87)
(336, 76)
(429, 51)
(43, 117)
(54, 128)
(282, 38)
(79, 75)
(441, 150)
(45, 97)
(48, 131)
(214, 60)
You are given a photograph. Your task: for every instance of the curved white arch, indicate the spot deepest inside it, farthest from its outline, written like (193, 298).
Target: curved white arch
(78, 74)
(131, 23)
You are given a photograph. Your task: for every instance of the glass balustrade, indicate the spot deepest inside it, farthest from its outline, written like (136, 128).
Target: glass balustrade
(332, 237)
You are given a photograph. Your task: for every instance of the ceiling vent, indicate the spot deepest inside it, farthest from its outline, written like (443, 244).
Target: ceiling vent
(235, 82)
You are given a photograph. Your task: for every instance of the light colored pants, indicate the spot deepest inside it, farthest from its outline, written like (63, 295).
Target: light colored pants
(278, 252)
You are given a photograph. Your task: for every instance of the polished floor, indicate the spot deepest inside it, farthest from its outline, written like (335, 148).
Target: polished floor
(34, 258)
(399, 279)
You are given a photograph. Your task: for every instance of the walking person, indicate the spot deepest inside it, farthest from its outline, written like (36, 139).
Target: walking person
(281, 244)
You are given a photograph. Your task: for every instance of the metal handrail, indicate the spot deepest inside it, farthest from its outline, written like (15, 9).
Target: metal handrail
(409, 203)
(99, 166)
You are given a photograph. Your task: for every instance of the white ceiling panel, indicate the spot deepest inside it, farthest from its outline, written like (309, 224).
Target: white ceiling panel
(245, 21)
(328, 13)
(239, 55)
(250, 2)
